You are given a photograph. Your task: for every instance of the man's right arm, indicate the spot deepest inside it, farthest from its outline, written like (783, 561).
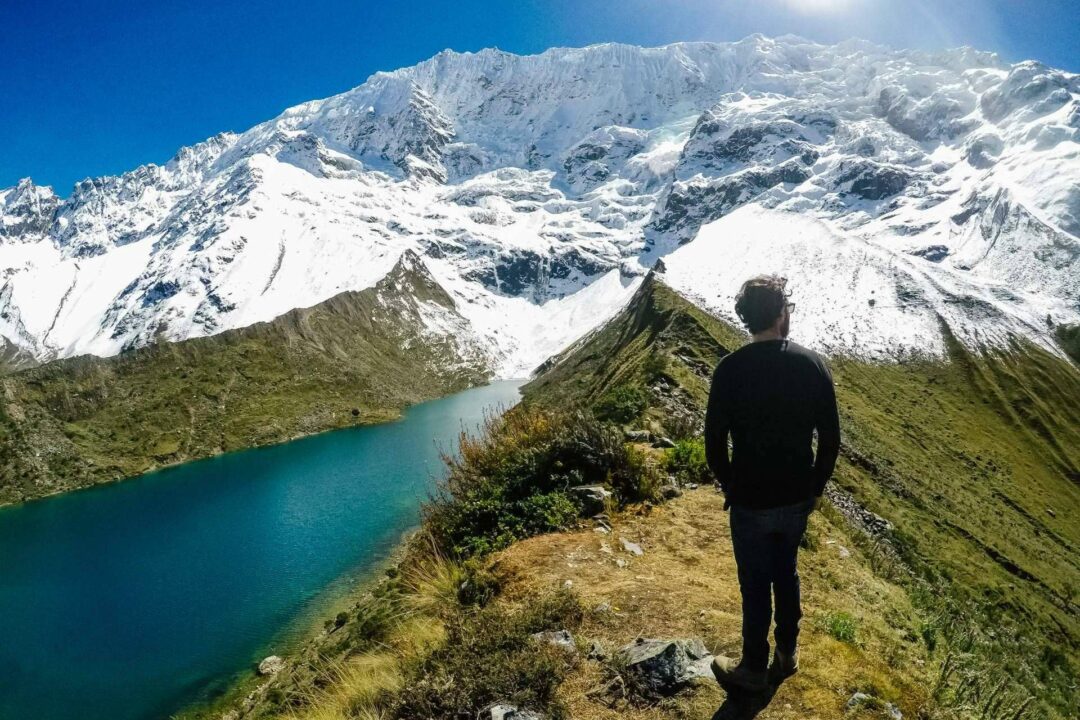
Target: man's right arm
(717, 427)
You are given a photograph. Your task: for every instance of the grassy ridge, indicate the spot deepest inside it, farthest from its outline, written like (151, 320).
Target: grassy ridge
(975, 461)
(356, 358)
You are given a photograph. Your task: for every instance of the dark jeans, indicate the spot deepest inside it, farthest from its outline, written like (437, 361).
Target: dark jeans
(766, 544)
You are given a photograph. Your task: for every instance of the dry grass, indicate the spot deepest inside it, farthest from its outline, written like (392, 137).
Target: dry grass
(685, 585)
(355, 688)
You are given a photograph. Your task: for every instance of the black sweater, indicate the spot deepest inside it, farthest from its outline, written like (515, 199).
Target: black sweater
(770, 396)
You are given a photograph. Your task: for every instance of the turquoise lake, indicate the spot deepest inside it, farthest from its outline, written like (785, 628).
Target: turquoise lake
(132, 600)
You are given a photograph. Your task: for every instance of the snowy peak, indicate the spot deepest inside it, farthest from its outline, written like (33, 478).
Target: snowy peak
(26, 211)
(520, 199)
(410, 277)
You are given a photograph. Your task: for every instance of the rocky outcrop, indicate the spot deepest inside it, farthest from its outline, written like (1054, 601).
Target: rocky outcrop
(870, 180)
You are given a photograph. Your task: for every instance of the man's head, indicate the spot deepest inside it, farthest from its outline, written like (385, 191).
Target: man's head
(762, 305)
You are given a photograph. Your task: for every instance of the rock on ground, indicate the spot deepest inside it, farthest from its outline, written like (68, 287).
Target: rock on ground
(506, 711)
(593, 498)
(559, 638)
(271, 665)
(664, 666)
(631, 547)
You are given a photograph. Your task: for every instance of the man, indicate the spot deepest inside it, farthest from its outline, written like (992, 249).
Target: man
(770, 396)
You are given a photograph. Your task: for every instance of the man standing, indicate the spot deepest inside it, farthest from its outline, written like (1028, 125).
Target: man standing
(770, 396)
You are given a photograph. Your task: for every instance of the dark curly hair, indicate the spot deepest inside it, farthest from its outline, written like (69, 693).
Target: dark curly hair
(760, 301)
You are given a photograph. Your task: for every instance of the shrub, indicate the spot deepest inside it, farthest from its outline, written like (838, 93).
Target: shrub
(686, 461)
(928, 631)
(655, 366)
(511, 481)
(480, 584)
(622, 404)
(489, 656)
(683, 425)
(841, 625)
(633, 477)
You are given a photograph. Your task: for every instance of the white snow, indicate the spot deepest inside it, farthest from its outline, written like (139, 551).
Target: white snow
(851, 295)
(539, 189)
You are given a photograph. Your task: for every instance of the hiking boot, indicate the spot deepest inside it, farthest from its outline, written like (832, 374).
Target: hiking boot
(729, 672)
(784, 665)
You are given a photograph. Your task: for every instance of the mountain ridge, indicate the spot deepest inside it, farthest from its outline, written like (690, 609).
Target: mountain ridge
(540, 188)
(358, 358)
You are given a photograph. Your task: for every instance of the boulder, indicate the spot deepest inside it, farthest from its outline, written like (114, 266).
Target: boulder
(592, 498)
(638, 435)
(861, 699)
(857, 699)
(665, 666)
(663, 442)
(669, 491)
(271, 665)
(506, 711)
(631, 547)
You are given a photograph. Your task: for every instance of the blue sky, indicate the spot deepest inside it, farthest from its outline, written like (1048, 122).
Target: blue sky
(95, 88)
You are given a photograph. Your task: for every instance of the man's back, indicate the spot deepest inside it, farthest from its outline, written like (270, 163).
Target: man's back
(771, 395)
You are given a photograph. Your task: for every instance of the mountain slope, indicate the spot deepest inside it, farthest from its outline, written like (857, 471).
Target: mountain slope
(973, 462)
(356, 358)
(539, 189)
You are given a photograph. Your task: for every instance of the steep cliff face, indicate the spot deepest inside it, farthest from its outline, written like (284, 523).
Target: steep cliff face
(538, 189)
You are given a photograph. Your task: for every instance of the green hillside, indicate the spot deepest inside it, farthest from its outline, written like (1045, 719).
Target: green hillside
(357, 358)
(975, 462)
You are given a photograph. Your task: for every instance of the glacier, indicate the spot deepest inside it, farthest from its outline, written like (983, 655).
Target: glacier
(906, 194)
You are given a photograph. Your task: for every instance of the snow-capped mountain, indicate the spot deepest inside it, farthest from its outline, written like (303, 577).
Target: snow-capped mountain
(897, 189)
